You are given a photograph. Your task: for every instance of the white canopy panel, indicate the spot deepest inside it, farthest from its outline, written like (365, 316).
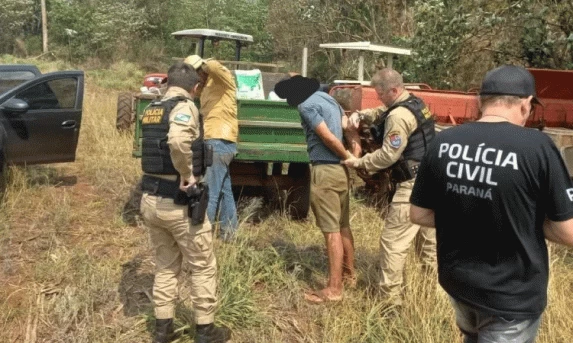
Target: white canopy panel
(367, 46)
(208, 33)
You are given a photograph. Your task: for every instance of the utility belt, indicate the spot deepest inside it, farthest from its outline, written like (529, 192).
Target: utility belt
(196, 198)
(161, 187)
(404, 170)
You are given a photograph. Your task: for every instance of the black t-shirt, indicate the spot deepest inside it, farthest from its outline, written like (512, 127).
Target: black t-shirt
(491, 185)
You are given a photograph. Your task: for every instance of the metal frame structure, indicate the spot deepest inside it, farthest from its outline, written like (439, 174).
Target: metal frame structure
(367, 46)
(215, 35)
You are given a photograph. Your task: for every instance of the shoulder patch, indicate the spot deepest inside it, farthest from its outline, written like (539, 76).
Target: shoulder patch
(395, 139)
(182, 118)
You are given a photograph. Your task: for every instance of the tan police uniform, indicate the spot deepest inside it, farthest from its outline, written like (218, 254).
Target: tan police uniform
(398, 233)
(178, 245)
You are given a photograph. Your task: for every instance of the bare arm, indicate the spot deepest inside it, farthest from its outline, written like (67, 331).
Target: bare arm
(422, 216)
(559, 232)
(330, 140)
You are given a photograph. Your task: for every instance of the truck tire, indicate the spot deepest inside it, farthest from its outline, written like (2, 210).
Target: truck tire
(125, 115)
(298, 196)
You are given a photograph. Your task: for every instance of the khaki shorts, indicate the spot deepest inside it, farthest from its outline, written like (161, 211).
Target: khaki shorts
(329, 196)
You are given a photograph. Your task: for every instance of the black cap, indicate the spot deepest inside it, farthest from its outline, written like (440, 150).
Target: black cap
(509, 80)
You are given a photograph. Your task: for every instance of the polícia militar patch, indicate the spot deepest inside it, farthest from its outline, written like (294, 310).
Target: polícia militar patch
(182, 117)
(395, 140)
(152, 115)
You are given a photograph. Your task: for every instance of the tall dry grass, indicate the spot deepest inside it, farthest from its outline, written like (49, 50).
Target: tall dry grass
(72, 270)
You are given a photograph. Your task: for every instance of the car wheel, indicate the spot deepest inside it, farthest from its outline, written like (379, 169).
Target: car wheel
(125, 114)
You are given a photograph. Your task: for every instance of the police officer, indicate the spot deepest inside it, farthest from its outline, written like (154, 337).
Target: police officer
(171, 129)
(404, 127)
(492, 254)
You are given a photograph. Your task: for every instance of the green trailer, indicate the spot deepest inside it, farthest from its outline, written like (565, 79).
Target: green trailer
(271, 147)
(272, 153)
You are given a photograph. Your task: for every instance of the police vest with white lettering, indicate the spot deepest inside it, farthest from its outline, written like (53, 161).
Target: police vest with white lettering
(155, 154)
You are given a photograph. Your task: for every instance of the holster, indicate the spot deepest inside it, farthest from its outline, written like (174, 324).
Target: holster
(404, 170)
(198, 197)
(208, 153)
(202, 151)
(202, 157)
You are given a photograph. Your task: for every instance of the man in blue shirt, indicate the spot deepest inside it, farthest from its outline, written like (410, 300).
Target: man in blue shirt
(329, 194)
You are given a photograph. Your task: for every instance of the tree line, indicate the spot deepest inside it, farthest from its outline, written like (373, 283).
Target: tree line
(454, 41)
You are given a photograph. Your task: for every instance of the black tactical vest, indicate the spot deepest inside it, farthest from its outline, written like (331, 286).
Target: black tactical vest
(406, 167)
(424, 133)
(155, 156)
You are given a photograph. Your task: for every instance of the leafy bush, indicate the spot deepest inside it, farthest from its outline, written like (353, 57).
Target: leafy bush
(454, 42)
(14, 18)
(106, 28)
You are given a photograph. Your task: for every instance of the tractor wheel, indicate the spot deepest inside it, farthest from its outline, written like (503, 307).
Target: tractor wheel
(125, 114)
(298, 196)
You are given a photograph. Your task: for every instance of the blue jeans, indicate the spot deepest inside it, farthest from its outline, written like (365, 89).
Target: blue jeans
(480, 327)
(221, 199)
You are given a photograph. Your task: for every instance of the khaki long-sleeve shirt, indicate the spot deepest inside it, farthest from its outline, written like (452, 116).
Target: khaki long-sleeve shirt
(183, 130)
(400, 124)
(219, 103)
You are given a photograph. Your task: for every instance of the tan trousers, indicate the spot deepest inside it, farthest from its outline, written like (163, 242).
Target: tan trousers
(395, 240)
(179, 246)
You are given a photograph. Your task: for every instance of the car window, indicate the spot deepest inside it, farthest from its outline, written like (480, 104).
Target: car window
(54, 94)
(66, 91)
(10, 79)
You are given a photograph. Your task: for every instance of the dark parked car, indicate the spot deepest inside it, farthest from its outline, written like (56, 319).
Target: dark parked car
(13, 75)
(40, 115)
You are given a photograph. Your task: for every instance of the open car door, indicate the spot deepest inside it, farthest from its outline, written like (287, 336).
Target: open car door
(40, 119)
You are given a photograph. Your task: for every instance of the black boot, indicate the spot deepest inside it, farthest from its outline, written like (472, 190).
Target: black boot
(163, 330)
(211, 334)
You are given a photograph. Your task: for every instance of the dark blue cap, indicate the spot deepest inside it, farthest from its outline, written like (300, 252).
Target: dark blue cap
(509, 80)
